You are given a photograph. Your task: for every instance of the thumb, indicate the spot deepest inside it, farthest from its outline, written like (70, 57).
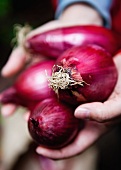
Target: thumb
(100, 112)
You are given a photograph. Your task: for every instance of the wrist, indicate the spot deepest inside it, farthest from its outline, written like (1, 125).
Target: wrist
(82, 14)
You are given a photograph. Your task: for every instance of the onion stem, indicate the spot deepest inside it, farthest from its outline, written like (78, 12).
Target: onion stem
(61, 79)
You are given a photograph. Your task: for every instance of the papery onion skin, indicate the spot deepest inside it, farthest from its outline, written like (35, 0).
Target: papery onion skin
(54, 42)
(33, 83)
(10, 96)
(52, 124)
(30, 86)
(92, 65)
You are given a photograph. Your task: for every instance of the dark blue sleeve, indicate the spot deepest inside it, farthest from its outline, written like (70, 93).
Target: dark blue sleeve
(102, 6)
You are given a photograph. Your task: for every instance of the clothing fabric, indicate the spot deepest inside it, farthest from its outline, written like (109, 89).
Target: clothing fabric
(102, 6)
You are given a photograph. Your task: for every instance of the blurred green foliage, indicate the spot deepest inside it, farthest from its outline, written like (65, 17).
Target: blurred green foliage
(4, 7)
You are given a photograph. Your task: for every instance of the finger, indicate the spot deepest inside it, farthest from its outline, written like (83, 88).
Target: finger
(49, 26)
(46, 27)
(108, 110)
(101, 112)
(15, 63)
(8, 109)
(26, 116)
(86, 138)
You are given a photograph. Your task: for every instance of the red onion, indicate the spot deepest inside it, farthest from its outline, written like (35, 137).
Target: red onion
(84, 74)
(10, 96)
(52, 124)
(52, 43)
(31, 85)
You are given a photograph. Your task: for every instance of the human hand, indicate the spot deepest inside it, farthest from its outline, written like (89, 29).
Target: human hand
(101, 119)
(110, 109)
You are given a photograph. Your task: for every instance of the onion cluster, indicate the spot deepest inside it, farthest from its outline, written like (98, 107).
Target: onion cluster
(52, 89)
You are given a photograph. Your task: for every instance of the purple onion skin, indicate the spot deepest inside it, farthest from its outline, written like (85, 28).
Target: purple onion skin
(95, 66)
(54, 42)
(32, 84)
(52, 124)
(10, 96)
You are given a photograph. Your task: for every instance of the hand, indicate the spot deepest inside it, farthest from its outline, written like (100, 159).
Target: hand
(99, 112)
(86, 137)
(110, 109)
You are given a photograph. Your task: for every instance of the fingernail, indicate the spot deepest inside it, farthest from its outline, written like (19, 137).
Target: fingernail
(7, 110)
(4, 114)
(39, 151)
(83, 113)
(3, 70)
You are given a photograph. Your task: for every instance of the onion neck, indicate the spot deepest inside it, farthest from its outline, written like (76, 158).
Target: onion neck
(64, 79)
(34, 122)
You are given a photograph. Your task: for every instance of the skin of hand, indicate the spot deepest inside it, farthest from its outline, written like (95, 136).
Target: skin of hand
(81, 14)
(110, 109)
(101, 119)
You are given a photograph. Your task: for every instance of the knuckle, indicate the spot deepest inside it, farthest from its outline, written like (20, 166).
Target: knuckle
(102, 116)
